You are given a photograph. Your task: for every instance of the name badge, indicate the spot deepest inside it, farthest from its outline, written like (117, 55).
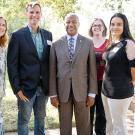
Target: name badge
(49, 42)
(115, 49)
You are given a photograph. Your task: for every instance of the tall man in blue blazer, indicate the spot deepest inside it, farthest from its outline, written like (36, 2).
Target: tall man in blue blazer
(73, 82)
(28, 70)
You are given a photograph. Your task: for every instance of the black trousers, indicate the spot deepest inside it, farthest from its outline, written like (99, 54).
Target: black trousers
(100, 120)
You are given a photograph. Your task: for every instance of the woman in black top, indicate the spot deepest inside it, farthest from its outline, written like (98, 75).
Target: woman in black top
(119, 77)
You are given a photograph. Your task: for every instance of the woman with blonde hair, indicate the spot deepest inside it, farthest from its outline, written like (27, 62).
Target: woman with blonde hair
(3, 50)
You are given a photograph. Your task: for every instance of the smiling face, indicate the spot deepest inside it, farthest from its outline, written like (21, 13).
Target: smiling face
(33, 15)
(97, 28)
(3, 27)
(72, 25)
(116, 27)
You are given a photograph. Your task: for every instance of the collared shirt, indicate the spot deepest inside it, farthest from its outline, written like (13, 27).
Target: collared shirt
(75, 39)
(37, 39)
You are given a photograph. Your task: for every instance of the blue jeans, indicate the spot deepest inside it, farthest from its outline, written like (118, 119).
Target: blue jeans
(38, 104)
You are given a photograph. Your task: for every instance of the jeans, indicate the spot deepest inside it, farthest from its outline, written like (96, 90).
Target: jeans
(38, 104)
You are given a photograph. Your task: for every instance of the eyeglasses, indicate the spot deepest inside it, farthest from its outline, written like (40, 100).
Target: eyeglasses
(98, 25)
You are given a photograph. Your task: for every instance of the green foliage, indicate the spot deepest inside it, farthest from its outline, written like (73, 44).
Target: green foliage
(62, 7)
(14, 10)
(116, 5)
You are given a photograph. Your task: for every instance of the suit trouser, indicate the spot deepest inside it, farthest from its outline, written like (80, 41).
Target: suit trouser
(100, 120)
(82, 117)
(115, 111)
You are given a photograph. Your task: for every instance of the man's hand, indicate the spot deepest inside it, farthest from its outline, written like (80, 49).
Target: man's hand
(22, 97)
(90, 101)
(55, 101)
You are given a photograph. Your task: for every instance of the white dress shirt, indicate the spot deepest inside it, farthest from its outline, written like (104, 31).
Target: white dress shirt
(75, 39)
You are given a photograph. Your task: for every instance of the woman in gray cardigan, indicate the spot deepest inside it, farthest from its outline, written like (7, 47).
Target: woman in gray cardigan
(3, 48)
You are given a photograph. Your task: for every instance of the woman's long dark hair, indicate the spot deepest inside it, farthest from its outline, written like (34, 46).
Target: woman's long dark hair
(126, 31)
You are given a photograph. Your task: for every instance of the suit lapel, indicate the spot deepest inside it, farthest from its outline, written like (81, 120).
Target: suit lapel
(44, 41)
(31, 43)
(65, 46)
(78, 47)
(30, 40)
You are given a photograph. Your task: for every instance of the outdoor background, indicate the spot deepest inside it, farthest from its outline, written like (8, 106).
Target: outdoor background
(53, 13)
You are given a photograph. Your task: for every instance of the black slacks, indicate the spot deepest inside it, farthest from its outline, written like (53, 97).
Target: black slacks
(100, 120)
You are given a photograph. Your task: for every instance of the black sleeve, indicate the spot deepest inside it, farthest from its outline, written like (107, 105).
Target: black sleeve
(132, 63)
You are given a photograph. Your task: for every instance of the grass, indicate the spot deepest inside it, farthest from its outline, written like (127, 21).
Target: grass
(9, 106)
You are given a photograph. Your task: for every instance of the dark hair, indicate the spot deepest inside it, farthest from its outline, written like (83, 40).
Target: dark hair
(105, 28)
(32, 4)
(126, 31)
(4, 38)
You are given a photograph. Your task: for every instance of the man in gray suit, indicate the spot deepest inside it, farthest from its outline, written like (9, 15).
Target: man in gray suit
(73, 82)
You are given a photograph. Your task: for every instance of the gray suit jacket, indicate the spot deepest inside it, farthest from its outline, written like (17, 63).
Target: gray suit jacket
(81, 71)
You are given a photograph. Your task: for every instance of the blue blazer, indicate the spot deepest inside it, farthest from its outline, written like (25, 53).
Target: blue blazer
(24, 66)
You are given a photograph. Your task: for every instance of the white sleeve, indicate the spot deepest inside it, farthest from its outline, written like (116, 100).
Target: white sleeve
(130, 50)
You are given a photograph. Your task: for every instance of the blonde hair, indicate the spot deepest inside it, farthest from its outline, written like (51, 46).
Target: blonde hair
(4, 38)
(105, 28)
(33, 4)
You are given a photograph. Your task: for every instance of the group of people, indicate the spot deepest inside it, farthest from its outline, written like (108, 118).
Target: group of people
(78, 73)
